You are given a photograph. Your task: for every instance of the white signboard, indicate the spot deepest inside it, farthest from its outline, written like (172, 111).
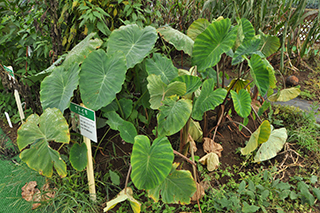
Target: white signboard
(87, 119)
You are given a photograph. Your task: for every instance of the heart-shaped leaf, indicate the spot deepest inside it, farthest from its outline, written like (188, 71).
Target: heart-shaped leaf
(150, 164)
(208, 99)
(246, 48)
(241, 102)
(162, 66)
(173, 115)
(57, 88)
(197, 27)
(134, 42)
(272, 146)
(260, 136)
(192, 82)
(78, 156)
(126, 129)
(159, 90)
(101, 78)
(260, 73)
(38, 132)
(238, 84)
(177, 187)
(179, 40)
(212, 43)
(269, 44)
(125, 194)
(82, 50)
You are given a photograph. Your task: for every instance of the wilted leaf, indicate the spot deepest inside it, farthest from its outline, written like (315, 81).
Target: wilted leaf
(272, 146)
(122, 196)
(193, 144)
(199, 193)
(211, 160)
(28, 190)
(260, 136)
(285, 94)
(195, 131)
(210, 146)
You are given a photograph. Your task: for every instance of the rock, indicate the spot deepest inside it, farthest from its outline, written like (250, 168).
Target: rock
(292, 81)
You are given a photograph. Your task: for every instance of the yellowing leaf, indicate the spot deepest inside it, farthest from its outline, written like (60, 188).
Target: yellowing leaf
(285, 94)
(195, 131)
(122, 196)
(211, 160)
(270, 148)
(260, 136)
(74, 3)
(115, 12)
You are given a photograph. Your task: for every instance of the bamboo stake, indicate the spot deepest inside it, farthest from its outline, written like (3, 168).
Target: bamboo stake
(90, 175)
(90, 172)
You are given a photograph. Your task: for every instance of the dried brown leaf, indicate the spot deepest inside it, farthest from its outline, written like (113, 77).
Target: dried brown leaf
(199, 193)
(28, 190)
(210, 146)
(194, 146)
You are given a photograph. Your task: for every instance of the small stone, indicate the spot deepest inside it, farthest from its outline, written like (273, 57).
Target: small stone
(292, 81)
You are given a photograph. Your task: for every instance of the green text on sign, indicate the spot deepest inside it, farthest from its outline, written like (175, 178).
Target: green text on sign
(9, 71)
(82, 111)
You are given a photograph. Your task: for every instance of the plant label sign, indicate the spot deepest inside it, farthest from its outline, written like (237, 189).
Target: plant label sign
(10, 72)
(87, 119)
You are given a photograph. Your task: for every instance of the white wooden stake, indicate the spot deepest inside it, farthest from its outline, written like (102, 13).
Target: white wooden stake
(17, 97)
(8, 119)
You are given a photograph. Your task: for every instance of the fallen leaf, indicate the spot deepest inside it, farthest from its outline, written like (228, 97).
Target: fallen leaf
(210, 146)
(205, 184)
(192, 143)
(211, 160)
(28, 190)
(199, 193)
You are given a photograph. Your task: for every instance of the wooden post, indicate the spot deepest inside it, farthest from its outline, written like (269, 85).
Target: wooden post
(90, 174)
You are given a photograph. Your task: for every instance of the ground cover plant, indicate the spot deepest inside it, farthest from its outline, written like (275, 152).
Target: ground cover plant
(153, 116)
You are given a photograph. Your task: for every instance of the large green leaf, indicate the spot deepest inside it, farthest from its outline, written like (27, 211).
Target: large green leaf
(246, 48)
(82, 50)
(260, 136)
(197, 27)
(270, 148)
(134, 42)
(179, 40)
(161, 65)
(177, 187)
(126, 129)
(57, 88)
(285, 94)
(173, 115)
(245, 32)
(269, 44)
(208, 99)
(260, 73)
(38, 132)
(101, 78)
(192, 82)
(212, 43)
(125, 194)
(150, 164)
(78, 156)
(241, 102)
(159, 90)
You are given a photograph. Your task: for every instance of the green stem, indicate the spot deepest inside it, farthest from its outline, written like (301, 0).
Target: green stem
(120, 108)
(94, 156)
